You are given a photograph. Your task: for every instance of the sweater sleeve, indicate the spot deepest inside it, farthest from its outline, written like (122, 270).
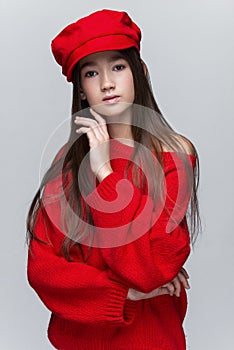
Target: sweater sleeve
(155, 257)
(73, 290)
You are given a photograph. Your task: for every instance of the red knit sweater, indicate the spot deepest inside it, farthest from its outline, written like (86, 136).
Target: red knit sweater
(88, 301)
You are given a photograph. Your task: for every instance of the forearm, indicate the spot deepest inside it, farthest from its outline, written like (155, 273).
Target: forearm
(143, 254)
(74, 290)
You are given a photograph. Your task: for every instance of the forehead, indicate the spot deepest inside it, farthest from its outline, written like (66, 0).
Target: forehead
(94, 58)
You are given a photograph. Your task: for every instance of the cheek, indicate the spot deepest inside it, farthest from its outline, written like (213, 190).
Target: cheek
(130, 87)
(90, 92)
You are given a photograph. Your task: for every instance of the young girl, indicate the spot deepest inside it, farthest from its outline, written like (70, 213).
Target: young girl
(107, 229)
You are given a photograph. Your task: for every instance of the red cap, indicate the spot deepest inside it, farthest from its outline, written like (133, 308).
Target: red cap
(100, 31)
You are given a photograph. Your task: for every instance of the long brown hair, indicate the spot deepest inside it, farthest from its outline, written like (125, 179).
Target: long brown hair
(155, 133)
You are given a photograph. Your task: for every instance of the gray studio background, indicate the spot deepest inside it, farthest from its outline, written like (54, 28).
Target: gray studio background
(188, 47)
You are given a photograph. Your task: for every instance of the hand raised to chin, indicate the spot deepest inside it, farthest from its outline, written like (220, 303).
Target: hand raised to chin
(98, 137)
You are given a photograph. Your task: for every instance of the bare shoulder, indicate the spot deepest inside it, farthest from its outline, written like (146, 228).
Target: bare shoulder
(186, 143)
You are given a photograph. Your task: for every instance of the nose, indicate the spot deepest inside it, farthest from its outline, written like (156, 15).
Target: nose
(107, 82)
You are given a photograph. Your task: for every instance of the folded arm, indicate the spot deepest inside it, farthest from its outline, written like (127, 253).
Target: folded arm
(74, 290)
(156, 256)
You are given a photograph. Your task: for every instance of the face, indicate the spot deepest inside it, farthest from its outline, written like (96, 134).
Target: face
(107, 82)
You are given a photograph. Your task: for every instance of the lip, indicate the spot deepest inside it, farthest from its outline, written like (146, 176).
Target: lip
(111, 99)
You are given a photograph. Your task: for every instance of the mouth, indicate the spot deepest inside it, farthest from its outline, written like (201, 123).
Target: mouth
(111, 99)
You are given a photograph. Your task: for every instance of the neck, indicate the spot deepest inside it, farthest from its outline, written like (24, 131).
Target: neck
(120, 130)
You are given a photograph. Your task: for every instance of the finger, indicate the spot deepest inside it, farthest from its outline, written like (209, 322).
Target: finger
(171, 288)
(96, 115)
(135, 295)
(93, 124)
(177, 285)
(85, 121)
(82, 130)
(98, 132)
(184, 272)
(163, 290)
(101, 121)
(93, 127)
(90, 134)
(183, 280)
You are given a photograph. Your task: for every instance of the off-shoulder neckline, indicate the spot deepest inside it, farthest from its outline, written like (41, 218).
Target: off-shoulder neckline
(125, 146)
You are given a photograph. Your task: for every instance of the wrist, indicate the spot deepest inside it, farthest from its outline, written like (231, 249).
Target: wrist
(103, 172)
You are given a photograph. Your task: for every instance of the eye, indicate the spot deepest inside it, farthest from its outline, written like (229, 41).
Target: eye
(119, 67)
(90, 74)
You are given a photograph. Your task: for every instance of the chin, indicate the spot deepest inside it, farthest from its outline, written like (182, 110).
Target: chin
(111, 110)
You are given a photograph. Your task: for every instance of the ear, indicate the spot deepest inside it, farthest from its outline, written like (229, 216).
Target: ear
(82, 95)
(144, 67)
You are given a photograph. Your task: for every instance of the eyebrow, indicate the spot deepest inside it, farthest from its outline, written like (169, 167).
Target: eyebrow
(93, 63)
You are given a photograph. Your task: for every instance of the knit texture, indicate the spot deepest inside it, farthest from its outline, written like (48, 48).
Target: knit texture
(88, 304)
